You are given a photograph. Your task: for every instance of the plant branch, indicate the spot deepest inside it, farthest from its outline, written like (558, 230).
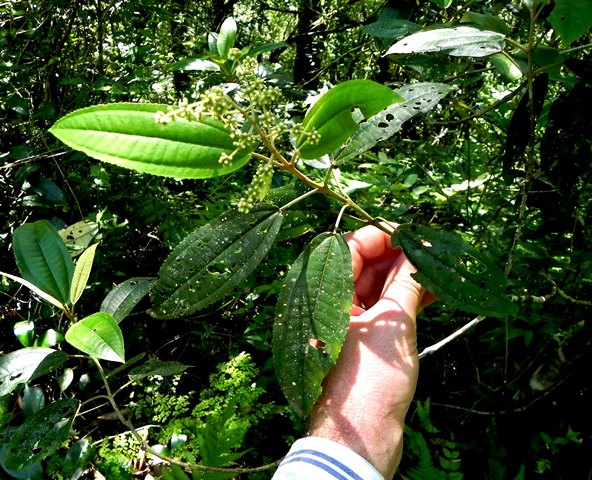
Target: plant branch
(436, 346)
(565, 296)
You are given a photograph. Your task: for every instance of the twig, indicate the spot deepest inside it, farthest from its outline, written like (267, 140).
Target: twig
(436, 346)
(565, 296)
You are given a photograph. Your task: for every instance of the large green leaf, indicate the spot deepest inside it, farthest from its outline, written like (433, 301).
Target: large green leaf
(128, 135)
(571, 19)
(311, 319)
(26, 364)
(41, 434)
(332, 116)
(122, 298)
(455, 271)
(417, 98)
(43, 259)
(98, 335)
(458, 41)
(214, 259)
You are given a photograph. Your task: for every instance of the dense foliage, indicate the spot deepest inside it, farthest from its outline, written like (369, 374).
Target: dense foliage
(163, 281)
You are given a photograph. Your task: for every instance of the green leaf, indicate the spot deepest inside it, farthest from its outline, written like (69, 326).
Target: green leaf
(81, 273)
(33, 400)
(78, 457)
(487, 22)
(226, 37)
(25, 332)
(65, 379)
(571, 19)
(454, 271)
(458, 41)
(122, 299)
(209, 263)
(390, 28)
(213, 44)
(128, 135)
(98, 335)
(41, 434)
(43, 259)
(417, 98)
(26, 364)
(33, 471)
(193, 64)
(49, 338)
(157, 367)
(332, 115)
(311, 319)
(506, 66)
(266, 48)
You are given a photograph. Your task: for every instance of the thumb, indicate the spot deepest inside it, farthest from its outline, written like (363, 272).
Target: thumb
(402, 288)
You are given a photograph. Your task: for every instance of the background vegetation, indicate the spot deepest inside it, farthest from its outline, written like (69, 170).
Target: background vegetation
(504, 161)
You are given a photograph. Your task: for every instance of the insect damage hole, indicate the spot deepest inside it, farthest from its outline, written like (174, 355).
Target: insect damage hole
(472, 264)
(316, 343)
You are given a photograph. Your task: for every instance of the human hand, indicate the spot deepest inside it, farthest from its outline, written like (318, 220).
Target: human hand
(367, 394)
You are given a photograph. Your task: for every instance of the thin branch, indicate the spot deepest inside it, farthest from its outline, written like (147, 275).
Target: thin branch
(565, 296)
(436, 346)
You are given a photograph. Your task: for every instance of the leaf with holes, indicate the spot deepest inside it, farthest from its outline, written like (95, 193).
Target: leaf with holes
(332, 116)
(43, 259)
(417, 98)
(455, 271)
(26, 364)
(214, 259)
(458, 42)
(128, 135)
(311, 320)
(98, 335)
(78, 236)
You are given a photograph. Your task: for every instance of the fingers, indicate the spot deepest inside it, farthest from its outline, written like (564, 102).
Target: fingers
(365, 244)
(382, 272)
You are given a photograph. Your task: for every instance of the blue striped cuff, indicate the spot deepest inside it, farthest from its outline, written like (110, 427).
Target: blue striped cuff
(322, 459)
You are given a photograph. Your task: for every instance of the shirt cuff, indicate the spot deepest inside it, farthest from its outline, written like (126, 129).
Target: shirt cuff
(323, 459)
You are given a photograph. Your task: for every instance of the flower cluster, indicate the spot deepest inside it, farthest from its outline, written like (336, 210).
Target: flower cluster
(253, 109)
(258, 188)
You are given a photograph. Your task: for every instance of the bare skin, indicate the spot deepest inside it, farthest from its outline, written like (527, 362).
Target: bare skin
(367, 394)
